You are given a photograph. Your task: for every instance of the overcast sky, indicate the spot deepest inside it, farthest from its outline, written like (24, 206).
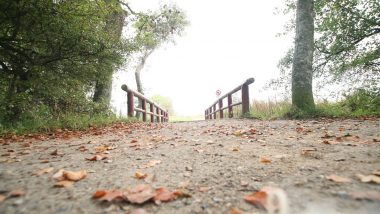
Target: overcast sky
(225, 43)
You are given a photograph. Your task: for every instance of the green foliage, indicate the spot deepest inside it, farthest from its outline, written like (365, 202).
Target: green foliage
(52, 53)
(363, 102)
(347, 44)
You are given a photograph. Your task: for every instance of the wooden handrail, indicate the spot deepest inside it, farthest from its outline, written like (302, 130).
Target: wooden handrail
(154, 109)
(211, 112)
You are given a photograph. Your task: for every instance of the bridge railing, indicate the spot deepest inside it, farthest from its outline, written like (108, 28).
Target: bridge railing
(217, 106)
(154, 111)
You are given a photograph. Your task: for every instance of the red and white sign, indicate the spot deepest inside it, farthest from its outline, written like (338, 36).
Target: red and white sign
(218, 93)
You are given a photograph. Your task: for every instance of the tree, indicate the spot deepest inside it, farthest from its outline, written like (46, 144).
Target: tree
(114, 25)
(347, 44)
(52, 52)
(152, 30)
(302, 71)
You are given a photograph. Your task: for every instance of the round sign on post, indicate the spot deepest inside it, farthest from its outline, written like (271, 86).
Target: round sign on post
(218, 93)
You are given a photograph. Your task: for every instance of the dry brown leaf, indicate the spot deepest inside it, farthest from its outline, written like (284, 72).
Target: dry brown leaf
(140, 175)
(150, 164)
(369, 195)
(338, 179)
(236, 149)
(99, 193)
(2, 198)
(163, 195)
(75, 176)
(64, 183)
(97, 157)
(134, 141)
(109, 195)
(265, 160)
(235, 210)
(44, 171)
(260, 199)
(369, 178)
(330, 142)
(16, 193)
(376, 172)
(59, 175)
(140, 194)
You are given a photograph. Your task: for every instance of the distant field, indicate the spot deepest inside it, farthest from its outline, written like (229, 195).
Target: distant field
(185, 118)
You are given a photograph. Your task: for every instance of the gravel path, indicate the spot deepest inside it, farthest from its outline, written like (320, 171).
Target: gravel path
(217, 163)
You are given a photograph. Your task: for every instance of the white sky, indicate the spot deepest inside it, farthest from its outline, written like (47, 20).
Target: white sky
(225, 43)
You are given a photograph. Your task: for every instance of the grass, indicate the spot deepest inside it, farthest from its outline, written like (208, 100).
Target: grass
(284, 110)
(67, 121)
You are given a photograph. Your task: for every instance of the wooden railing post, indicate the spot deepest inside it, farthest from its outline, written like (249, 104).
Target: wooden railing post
(144, 108)
(152, 111)
(158, 114)
(220, 108)
(230, 108)
(214, 110)
(162, 116)
(131, 104)
(245, 99)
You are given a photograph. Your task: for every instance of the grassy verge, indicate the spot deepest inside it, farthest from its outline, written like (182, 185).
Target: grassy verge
(66, 121)
(361, 103)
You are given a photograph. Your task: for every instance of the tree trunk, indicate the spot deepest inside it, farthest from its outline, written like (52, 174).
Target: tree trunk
(103, 88)
(302, 70)
(138, 70)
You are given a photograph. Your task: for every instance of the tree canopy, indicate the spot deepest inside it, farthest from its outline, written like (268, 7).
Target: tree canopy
(52, 52)
(347, 42)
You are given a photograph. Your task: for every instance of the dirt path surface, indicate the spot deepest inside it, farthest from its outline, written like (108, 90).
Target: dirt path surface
(213, 164)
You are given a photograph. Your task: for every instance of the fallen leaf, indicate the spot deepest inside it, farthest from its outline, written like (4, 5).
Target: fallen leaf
(369, 178)
(260, 199)
(109, 195)
(140, 194)
(338, 179)
(235, 210)
(75, 176)
(306, 151)
(97, 157)
(163, 195)
(369, 195)
(140, 175)
(265, 160)
(59, 175)
(150, 164)
(330, 142)
(99, 193)
(16, 193)
(64, 183)
(133, 141)
(44, 171)
(2, 198)
(376, 172)
(236, 149)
